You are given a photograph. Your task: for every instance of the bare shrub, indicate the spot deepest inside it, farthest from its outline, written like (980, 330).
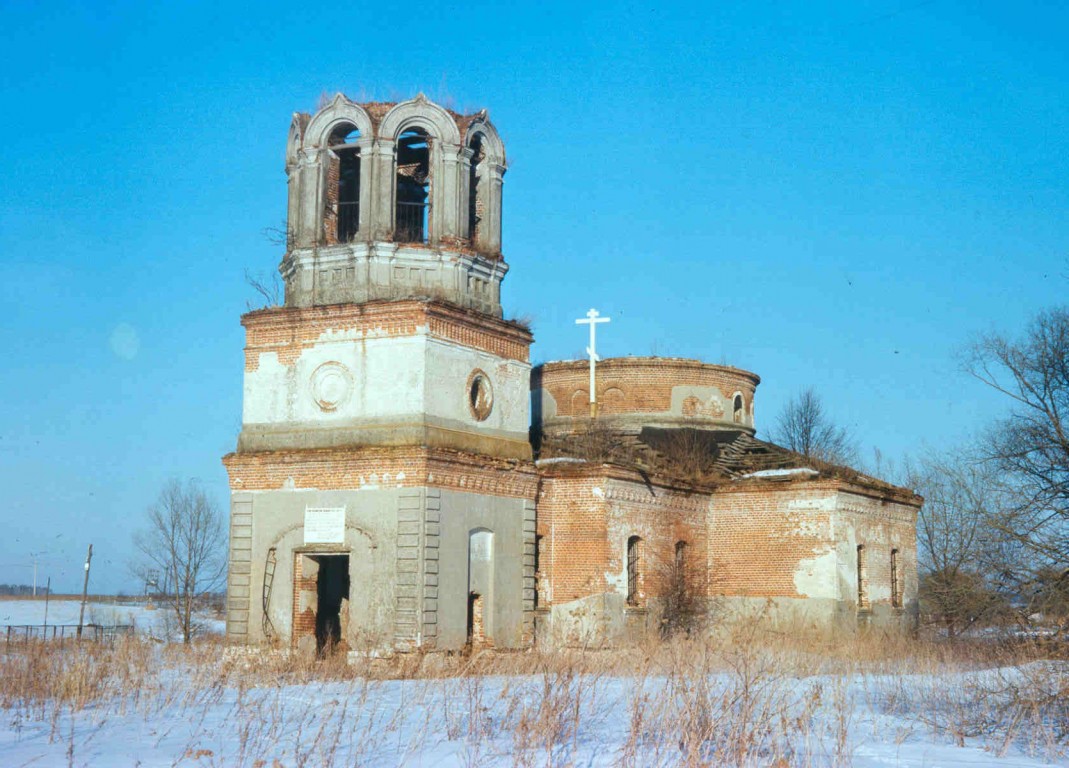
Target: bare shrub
(687, 454)
(269, 289)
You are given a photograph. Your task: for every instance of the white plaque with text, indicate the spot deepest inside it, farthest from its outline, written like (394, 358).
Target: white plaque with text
(324, 525)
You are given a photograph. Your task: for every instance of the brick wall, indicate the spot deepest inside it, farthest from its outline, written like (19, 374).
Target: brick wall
(880, 525)
(289, 331)
(786, 539)
(762, 533)
(330, 209)
(304, 621)
(585, 523)
(405, 467)
(638, 385)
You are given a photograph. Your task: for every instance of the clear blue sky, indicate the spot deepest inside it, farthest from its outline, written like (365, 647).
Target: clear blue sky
(835, 195)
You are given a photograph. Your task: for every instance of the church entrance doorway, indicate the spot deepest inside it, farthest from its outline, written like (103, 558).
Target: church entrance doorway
(332, 588)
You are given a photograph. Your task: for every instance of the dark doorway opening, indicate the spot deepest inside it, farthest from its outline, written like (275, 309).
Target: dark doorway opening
(332, 587)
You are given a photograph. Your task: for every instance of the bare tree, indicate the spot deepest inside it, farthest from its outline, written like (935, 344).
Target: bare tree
(963, 565)
(1030, 445)
(804, 427)
(185, 541)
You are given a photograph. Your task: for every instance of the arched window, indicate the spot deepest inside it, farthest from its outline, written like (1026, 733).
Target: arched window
(896, 580)
(343, 189)
(413, 187)
(476, 190)
(480, 586)
(633, 572)
(738, 409)
(862, 579)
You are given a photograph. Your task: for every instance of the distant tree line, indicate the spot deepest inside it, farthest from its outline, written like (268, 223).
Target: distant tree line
(21, 590)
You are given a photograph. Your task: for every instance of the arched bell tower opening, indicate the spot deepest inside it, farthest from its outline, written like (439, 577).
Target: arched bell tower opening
(344, 181)
(413, 172)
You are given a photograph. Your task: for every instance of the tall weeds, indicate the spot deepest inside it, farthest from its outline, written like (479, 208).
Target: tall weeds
(748, 697)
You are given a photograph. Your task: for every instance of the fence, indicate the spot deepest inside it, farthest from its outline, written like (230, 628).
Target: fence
(411, 224)
(16, 634)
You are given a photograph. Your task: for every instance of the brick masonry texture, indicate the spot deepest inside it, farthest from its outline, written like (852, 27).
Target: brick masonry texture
(350, 468)
(585, 523)
(747, 539)
(636, 385)
(289, 331)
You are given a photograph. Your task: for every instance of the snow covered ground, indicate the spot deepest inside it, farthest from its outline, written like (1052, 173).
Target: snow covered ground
(153, 622)
(211, 712)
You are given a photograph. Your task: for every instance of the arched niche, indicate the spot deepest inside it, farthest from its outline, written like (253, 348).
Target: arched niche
(480, 601)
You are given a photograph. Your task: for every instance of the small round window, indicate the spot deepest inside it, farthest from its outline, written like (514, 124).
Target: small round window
(480, 395)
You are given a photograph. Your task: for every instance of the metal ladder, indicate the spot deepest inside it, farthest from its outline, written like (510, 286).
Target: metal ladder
(269, 580)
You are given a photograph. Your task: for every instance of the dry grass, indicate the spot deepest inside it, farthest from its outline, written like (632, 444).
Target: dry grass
(748, 697)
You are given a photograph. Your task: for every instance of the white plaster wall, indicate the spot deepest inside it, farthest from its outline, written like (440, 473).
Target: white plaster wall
(880, 527)
(370, 540)
(449, 367)
(707, 396)
(395, 379)
(813, 516)
(387, 379)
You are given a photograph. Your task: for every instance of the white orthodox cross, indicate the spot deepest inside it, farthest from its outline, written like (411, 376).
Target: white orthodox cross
(592, 320)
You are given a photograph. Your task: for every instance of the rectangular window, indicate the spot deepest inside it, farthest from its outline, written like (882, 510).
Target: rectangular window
(632, 569)
(896, 580)
(862, 580)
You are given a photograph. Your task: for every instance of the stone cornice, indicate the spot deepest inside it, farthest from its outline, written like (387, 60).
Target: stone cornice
(283, 328)
(372, 468)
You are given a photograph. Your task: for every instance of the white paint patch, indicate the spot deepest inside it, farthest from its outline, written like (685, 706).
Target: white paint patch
(815, 576)
(124, 341)
(781, 473)
(825, 504)
(598, 492)
(617, 582)
(812, 526)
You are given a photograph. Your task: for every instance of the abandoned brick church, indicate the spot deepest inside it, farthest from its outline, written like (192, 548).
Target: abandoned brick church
(404, 480)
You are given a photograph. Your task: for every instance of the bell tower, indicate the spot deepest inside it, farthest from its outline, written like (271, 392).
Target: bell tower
(386, 405)
(390, 201)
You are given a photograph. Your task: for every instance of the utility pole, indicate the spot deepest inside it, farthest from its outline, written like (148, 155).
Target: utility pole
(35, 575)
(48, 592)
(85, 590)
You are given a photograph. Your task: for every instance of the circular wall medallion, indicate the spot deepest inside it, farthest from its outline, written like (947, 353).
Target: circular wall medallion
(332, 383)
(480, 395)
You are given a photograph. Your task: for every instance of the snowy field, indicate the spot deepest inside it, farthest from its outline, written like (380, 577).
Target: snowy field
(152, 622)
(146, 704)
